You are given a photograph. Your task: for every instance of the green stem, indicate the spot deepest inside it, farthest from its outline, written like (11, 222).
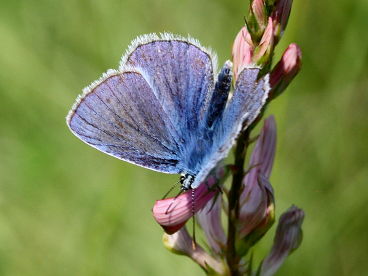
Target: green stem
(232, 258)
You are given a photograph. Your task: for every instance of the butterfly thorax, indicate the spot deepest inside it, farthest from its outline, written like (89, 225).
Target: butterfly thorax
(186, 181)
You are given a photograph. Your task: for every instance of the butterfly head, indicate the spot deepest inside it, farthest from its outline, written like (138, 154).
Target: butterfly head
(186, 181)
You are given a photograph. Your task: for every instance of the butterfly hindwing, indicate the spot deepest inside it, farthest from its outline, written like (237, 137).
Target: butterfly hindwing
(242, 109)
(248, 99)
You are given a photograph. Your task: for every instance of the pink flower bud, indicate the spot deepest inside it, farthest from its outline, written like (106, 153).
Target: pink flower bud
(173, 213)
(288, 238)
(181, 243)
(259, 10)
(209, 218)
(263, 155)
(280, 16)
(265, 47)
(256, 200)
(285, 70)
(257, 213)
(242, 51)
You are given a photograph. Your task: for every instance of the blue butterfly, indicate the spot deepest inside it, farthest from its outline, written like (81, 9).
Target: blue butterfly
(163, 110)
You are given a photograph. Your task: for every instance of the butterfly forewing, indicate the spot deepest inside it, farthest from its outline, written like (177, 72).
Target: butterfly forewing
(181, 75)
(121, 116)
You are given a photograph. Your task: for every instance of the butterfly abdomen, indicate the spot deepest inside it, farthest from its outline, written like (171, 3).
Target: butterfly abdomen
(219, 96)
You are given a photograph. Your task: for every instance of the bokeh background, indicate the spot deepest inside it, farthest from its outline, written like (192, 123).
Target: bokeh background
(67, 209)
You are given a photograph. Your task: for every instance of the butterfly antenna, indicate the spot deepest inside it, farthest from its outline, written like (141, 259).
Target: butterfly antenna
(194, 242)
(170, 190)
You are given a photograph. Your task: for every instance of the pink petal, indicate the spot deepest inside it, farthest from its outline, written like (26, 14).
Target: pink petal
(257, 212)
(280, 16)
(258, 9)
(257, 194)
(209, 219)
(288, 238)
(262, 157)
(182, 243)
(286, 69)
(173, 213)
(266, 44)
(242, 51)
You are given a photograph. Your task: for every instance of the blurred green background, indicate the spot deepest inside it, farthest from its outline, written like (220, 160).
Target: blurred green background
(67, 209)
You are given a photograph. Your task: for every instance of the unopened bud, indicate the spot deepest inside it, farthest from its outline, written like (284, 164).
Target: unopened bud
(285, 70)
(258, 9)
(257, 215)
(242, 51)
(209, 218)
(280, 17)
(263, 52)
(181, 243)
(173, 213)
(257, 206)
(288, 238)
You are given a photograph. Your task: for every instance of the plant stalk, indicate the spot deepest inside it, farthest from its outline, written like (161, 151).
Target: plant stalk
(232, 258)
